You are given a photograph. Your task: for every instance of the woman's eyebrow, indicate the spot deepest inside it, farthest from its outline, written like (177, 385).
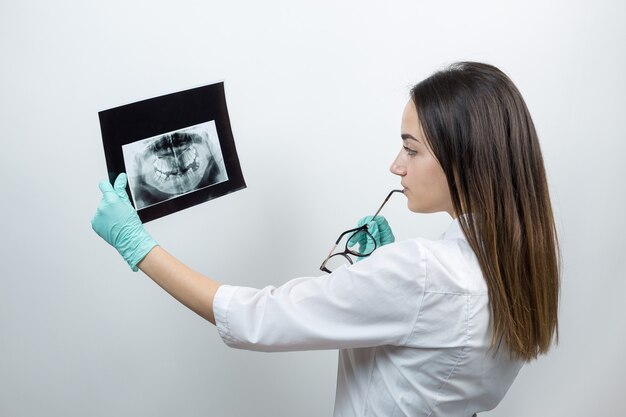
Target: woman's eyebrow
(406, 136)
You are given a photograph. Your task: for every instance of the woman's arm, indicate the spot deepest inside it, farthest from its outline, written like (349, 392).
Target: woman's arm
(189, 287)
(117, 222)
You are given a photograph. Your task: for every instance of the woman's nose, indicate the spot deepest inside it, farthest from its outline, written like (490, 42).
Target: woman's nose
(397, 168)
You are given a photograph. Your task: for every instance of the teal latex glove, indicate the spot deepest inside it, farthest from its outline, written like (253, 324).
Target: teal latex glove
(379, 228)
(117, 222)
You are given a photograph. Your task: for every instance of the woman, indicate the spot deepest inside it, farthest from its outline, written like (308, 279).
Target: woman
(423, 327)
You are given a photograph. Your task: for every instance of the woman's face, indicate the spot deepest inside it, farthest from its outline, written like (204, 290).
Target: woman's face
(420, 173)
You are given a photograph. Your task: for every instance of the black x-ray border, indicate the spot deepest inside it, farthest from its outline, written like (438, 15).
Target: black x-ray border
(143, 119)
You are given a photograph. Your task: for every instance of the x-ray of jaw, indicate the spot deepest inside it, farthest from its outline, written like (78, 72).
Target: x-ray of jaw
(174, 164)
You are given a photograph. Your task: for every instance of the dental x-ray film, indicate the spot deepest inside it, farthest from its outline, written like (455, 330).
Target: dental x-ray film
(177, 150)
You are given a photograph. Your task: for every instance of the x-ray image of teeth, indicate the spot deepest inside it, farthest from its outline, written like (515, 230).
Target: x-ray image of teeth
(172, 164)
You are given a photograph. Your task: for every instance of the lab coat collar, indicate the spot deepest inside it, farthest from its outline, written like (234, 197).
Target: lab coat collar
(454, 230)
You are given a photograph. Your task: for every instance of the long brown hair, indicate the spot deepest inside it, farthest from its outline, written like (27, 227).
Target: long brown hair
(480, 130)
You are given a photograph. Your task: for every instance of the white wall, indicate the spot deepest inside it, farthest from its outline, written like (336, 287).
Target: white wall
(315, 92)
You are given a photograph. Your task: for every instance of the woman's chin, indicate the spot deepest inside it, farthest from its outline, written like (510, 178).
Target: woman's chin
(415, 208)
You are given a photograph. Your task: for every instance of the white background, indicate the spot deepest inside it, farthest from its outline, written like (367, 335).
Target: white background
(315, 92)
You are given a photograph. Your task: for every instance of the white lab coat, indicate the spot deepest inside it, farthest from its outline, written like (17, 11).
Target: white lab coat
(411, 322)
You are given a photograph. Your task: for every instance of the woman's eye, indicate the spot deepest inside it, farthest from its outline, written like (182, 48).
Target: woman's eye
(409, 151)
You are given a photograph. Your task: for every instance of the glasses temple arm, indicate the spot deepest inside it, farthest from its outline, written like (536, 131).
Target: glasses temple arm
(385, 202)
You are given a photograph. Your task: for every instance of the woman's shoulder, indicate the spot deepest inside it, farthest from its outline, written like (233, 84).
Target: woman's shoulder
(450, 265)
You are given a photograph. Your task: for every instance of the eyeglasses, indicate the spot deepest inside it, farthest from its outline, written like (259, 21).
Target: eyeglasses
(333, 260)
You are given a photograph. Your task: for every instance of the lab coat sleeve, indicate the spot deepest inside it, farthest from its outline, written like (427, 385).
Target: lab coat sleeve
(374, 302)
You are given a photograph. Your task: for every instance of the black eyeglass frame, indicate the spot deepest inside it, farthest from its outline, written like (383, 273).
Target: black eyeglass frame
(347, 251)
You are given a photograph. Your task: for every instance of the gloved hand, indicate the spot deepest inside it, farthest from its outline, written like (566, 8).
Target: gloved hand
(117, 222)
(379, 228)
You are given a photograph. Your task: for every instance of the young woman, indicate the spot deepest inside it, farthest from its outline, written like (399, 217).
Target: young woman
(423, 327)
